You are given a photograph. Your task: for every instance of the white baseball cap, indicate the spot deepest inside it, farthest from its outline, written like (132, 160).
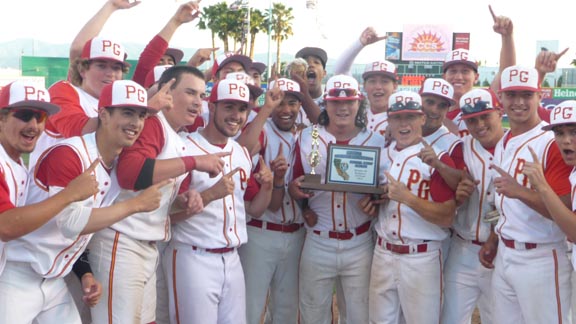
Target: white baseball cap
(24, 94)
(123, 93)
(255, 90)
(478, 102)
(342, 87)
(154, 75)
(230, 90)
(519, 78)
(288, 86)
(404, 102)
(563, 113)
(104, 49)
(385, 68)
(459, 56)
(438, 87)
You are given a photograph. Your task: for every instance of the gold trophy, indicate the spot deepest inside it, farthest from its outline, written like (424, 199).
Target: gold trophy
(314, 157)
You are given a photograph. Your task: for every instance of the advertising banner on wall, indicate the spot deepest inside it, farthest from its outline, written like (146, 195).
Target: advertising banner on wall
(426, 42)
(461, 41)
(393, 46)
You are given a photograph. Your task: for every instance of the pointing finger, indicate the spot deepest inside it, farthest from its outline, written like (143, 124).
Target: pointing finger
(423, 141)
(280, 153)
(233, 172)
(222, 154)
(389, 176)
(534, 155)
(499, 170)
(559, 55)
(492, 12)
(93, 166)
(466, 174)
(164, 183)
(166, 87)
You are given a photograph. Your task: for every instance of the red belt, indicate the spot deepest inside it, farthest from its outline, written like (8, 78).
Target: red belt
(403, 249)
(513, 245)
(218, 251)
(347, 235)
(284, 228)
(476, 242)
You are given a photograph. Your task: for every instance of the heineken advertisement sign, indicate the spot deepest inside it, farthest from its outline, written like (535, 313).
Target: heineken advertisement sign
(564, 93)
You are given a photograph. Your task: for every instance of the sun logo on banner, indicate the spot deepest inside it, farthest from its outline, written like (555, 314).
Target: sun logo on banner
(427, 42)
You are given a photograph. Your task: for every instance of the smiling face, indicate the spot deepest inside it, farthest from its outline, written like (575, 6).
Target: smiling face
(462, 77)
(122, 125)
(20, 129)
(378, 89)
(315, 73)
(565, 136)
(284, 115)
(406, 128)
(342, 114)
(228, 117)
(435, 109)
(187, 96)
(486, 128)
(98, 74)
(521, 108)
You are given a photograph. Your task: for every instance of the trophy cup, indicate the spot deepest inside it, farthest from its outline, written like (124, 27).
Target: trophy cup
(493, 215)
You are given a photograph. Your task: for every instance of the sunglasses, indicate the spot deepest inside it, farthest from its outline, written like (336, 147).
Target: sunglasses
(410, 105)
(342, 93)
(26, 115)
(478, 106)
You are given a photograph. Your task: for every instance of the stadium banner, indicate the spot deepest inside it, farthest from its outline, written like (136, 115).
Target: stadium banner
(426, 42)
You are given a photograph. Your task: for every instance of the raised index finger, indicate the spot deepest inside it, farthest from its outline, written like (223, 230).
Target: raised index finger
(423, 141)
(233, 172)
(164, 183)
(559, 55)
(499, 170)
(389, 176)
(222, 154)
(534, 155)
(280, 153)
(166, 87)
(492, 12)
(93, 166)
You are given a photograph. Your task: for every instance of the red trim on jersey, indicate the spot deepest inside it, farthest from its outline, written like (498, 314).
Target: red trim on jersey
(297, 168)
(453, 114)
(5, 202)
(60, 166)
(346, 142)
(198, 122)
(72, 118)
(149, 58)
(148, 145)
(557, 172)
(185, 185)
(111, 276)
(457, 156)
(544, 114)
(175, 286)
(439, 190)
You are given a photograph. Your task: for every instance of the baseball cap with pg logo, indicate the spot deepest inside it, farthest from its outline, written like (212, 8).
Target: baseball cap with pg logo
(519, 78)
(478, 102)
(26, 95)
(402, 102)
(564, 113)
(459, 56)
(438, 87)
(255, 91)
(289, 86)
(104, 49)
(124, 93)
(342, 87)
(230, 90)
(384, 68)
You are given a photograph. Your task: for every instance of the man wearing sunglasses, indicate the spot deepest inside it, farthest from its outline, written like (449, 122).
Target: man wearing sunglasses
(467, 283)
(407, 266)
(338, 246)
(531, 248)
(24, 108)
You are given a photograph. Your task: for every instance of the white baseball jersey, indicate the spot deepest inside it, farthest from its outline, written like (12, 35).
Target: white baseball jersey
(573, 196)
(222, 223)
(518, 221)
(337, 211)
(155, 225)
(462, 128)
(50, 136)
(468, 223)
(376, 123)
(273, 137)
(443, 140)
(15, 175)
(398, 223)
(52, 249)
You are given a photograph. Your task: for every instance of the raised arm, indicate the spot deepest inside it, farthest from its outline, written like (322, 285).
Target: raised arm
(346, 59)
(504, 27)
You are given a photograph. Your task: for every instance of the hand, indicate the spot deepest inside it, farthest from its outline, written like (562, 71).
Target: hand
(162, 100)
(505, 184)
(84, 185)
(123, 4)
(533, 170)
(546, 61)
(302, 82)
(465, 188)
(211, 163)
(487, 253)
(264, 175)
(201, 55)
(221, 189)
(92, 290)
(191, 202)
(296, 192)
(369, 36)
(502, 25)
(150, 198)
(368, 206)
(427, 155)
(310, 217)
(279, 166)
(397, 191)
(272, 99)
(274, 72)
(187, 12)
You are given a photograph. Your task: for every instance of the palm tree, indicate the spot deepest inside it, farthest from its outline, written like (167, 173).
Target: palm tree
(208, 21)
(281, 26)
(258, 23)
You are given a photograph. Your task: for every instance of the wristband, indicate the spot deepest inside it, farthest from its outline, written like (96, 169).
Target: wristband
(278, 187)
(189, 163)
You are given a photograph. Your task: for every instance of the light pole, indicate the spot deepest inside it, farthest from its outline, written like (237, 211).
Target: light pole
(269, 69)
(243, 4)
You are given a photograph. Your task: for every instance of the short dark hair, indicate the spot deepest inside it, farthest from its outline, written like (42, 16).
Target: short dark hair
(175, 72)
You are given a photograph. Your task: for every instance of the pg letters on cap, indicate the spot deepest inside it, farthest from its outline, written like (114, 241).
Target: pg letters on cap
(563, 113)
(109, 45)
(32, 93)
(517, 75)
(134, 94)
(236, 90)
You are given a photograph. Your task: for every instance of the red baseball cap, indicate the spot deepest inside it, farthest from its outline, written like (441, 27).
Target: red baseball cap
(25, 95)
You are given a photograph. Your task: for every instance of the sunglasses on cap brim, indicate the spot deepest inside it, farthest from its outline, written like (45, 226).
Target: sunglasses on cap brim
(400, 106)
(478, 106)
(343, 93)
(26, 115)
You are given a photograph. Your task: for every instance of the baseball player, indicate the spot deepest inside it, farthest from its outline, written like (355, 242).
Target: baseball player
(205, 277)
(407, 265)
(124, 256)
(270, 258)
(38, 262)
(338, 244)
(467, 283)
(531, 247)
(24, 108)
(311, 84)
(380, 80)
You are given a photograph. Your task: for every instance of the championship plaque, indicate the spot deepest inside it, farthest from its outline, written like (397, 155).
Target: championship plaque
(350, 168)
